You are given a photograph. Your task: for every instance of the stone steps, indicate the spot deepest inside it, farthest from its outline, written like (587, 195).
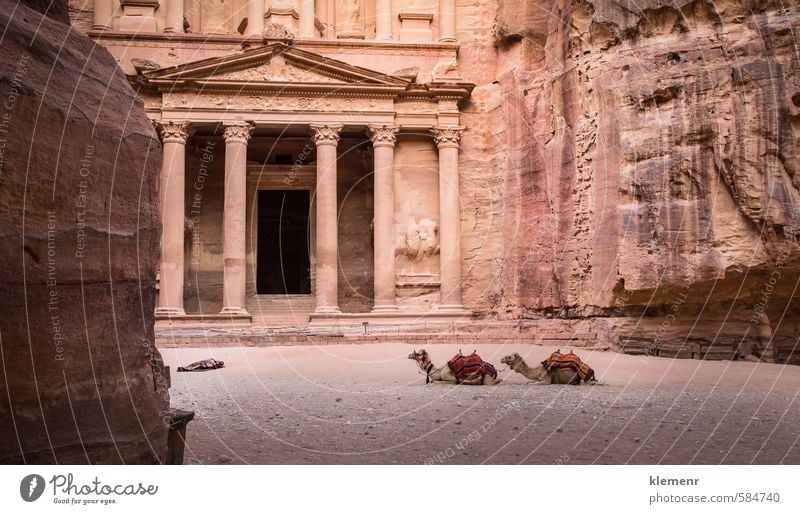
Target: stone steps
(176, 339)
(281, 310)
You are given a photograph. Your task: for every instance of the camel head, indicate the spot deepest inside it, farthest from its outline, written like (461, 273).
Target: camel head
(511, 360)
(420, 356)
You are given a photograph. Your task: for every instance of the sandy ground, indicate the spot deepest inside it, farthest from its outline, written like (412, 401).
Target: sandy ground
(366, 404)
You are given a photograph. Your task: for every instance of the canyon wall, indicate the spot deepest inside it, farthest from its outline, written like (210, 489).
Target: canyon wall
(81, 380)
(645, 157)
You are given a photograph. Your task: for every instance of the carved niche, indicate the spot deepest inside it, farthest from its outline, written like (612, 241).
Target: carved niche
(350, 19)
(216, 16)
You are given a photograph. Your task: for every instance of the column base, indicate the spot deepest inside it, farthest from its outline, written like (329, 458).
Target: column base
(327, 310)
(235, 311)
(381, 309)
(448, 40)
(169, 312)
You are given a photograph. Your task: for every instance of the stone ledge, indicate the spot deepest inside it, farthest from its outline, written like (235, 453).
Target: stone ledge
(204, 321)
(389, 318)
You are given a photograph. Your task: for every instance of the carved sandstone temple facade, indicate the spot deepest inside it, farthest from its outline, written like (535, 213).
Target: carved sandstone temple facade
(311, 156)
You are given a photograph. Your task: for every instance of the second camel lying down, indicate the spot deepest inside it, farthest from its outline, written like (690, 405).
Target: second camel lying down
(558, 368)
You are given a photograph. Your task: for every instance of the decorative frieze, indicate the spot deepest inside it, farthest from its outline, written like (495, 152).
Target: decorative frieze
(447, 136)
(276, 103)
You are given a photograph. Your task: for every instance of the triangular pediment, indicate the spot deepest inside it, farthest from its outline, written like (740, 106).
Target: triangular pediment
(278, 70)
(276, 64)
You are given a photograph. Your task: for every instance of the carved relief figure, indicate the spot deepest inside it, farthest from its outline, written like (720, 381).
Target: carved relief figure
(421, 240)
(351, 11)
(348, 18)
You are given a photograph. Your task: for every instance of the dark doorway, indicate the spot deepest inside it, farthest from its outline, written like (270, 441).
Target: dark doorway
(283, 252)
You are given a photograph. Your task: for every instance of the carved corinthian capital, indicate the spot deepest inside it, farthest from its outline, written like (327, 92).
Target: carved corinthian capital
(237, 132)
(326, 134)
(382, 135)
(447, 136)
(172, 132)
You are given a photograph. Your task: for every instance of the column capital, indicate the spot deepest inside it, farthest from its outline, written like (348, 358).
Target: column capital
(173, 132)
(237, 132)
(382, 135)
(447, 136)
(326, 133)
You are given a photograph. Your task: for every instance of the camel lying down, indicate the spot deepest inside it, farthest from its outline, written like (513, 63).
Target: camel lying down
(443, 374)
(540, 375)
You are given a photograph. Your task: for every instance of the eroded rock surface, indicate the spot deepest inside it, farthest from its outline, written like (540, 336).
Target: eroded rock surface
(80, 230)
(645, 157)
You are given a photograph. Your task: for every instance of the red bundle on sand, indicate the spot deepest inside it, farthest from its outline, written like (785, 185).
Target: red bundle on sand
(571, 361)
(471, 369)
(203, 365)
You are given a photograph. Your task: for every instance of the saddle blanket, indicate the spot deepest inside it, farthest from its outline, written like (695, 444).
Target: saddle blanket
(203, 365)
(470, 369)
(571, 361)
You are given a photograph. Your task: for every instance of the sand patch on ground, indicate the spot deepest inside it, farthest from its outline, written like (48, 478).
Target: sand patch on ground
(367, 404)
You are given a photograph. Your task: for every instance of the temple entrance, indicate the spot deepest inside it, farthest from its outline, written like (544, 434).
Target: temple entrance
(283, 265)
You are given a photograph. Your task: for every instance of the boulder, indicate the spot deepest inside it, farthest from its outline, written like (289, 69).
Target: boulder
(81, 380)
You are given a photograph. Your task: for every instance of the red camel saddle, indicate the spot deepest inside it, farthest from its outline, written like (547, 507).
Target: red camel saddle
(571, 361)
(470, 369)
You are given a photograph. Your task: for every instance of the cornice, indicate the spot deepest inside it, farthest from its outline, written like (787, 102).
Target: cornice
(236, 39)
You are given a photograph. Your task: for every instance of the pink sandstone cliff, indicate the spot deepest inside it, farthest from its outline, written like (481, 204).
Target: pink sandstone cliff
(80, 379)
(641, 161)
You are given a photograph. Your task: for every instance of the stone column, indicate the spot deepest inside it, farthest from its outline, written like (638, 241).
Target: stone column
(307, 14)
(383, 140)
(447, 139)
(102, 15)
(255, 18)
(234, 228)
(383, 20)
(173, 206)
(174, 17)
(326, 136)
(447, 21)
(330, 18)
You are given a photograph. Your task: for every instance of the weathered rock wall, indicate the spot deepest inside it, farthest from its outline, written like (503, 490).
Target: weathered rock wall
(651, 150)
(79, 380)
